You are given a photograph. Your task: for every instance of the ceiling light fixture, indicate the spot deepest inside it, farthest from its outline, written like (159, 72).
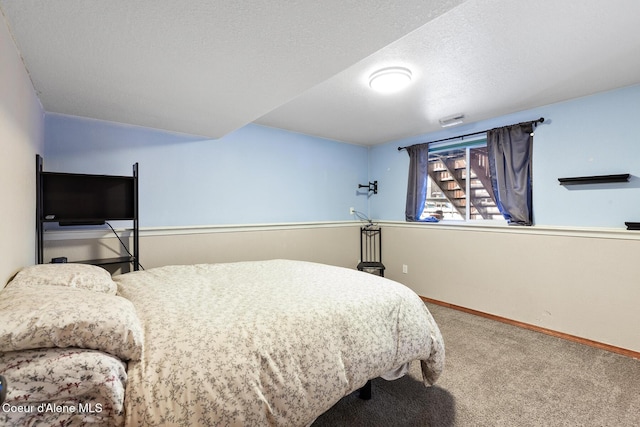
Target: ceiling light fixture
(456, 119)
(390, 79)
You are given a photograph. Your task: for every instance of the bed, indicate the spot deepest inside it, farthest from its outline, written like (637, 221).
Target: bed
(274, 342)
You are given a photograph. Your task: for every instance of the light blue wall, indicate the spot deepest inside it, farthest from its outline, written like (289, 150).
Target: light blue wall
(254, 175)
(265, 175)
(595, 135)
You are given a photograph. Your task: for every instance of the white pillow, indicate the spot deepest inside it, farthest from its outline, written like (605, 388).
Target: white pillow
(54, 316)
(81, 276)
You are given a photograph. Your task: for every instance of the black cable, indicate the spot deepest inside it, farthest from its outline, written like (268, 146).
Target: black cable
(122, 243)
(363, 218)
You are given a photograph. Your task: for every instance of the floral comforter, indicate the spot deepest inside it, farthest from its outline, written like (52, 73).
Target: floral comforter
(65, 339)
(267, 343)
(63, 387)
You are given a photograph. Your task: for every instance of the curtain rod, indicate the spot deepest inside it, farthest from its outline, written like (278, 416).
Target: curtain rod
(535, 122)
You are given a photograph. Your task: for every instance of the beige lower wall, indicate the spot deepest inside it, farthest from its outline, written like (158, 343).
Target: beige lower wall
(337, 245)
(579, 284)
(587, 286)
(325, 243)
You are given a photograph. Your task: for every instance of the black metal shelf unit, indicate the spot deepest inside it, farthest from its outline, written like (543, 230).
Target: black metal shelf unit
(85, 200)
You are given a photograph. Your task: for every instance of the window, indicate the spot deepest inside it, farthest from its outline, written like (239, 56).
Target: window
(449, 190)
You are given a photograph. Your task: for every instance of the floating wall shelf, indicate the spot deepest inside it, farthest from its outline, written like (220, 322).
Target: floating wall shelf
(595, 179)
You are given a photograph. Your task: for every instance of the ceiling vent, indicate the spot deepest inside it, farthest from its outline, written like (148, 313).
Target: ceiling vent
(456, 119)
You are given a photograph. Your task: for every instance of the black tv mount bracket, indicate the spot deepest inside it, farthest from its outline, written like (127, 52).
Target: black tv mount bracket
(372, 186)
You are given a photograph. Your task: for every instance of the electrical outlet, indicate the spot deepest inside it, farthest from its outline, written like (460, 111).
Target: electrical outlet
(352, 211)
(405, 268)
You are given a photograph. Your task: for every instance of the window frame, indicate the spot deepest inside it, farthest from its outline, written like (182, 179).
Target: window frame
(467, 145)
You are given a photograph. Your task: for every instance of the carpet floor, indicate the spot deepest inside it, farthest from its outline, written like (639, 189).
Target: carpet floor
(502, 375)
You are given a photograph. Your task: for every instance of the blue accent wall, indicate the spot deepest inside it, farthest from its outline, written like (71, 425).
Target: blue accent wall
(594, 135)
(255, 175)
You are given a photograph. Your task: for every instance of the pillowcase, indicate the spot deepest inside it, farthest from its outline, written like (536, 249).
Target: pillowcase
(81, 276)
(54, 316)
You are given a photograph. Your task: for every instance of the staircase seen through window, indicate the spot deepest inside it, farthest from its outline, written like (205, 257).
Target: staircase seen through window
(459, 184)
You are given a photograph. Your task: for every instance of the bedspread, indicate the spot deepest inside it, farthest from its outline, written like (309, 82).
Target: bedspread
(267, 343)
(63, 387)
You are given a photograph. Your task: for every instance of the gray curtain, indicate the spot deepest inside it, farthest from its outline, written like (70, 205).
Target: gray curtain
(510, 167)
(417, 184)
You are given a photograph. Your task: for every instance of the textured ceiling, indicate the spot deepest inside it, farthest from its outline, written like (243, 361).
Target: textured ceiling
(485, 58)
(201, 67)
(210, 67)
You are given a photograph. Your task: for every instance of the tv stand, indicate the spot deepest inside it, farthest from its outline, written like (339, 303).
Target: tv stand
(75, 213)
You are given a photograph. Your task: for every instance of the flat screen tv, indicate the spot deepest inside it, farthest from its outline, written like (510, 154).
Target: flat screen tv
(79, 199)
